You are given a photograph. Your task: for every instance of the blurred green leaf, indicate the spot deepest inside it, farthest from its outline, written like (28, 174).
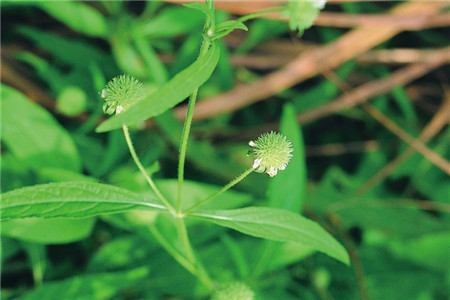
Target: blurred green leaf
(60, 175)
(78, 16)
(170, 22)
(278, 225)
(8, 247)
(74, 52)
(121, 253)
(33, 135)
(172, 93)
(287, 189)
(72, 200)
(201, 7)
(431, 250)
(91, 286)
(261, 30)
(51, 231)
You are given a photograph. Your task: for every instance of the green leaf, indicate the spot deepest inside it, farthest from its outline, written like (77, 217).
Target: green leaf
(201, 7)
(168, 23)
(71, 200)
(48, 231)
(92, 286)
(226, 27)
(430, 250)
(172, 93)
(33, 135)
(287, 189)
(278, 225)
(78, 16)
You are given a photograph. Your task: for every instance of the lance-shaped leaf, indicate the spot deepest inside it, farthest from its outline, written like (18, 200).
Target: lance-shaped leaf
(71, 200)
(169, 95)
(278, 225)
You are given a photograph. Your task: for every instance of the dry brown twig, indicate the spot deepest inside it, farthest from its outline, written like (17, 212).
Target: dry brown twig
(414, 143)
(366, 91)
(308, 64)
(433, 127)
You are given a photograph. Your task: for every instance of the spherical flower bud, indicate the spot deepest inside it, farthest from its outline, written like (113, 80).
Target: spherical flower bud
(272, 152)
(121, 93)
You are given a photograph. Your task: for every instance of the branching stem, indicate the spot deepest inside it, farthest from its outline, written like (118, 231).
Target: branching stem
(222, 190)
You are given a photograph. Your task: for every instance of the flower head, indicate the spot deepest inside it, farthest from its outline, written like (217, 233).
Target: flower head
(121, 93)
(272, 152)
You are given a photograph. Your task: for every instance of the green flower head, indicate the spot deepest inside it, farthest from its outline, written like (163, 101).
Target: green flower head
(121, 93)
(272, 152)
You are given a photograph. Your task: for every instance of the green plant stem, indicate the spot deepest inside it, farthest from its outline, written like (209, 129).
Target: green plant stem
(224, 189)
(199, 270)
(186, 130)
(141, 168)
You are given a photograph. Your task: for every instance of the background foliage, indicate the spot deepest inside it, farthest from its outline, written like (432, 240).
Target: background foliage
(362, 97)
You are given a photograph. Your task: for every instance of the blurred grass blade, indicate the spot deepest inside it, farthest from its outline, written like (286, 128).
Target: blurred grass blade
(77, 15)
(71, 200)
(278, 225)
(172, 93)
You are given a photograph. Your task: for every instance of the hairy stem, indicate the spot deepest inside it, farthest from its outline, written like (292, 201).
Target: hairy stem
(185, 132)
(141, 168)
(199, 270)
(222, 190)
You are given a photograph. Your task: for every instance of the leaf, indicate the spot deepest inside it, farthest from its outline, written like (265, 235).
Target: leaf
(91, 286)
(78, 16)
(201, 7)
(33, 135)
(48, 231)
(72, 200)
(226, 27)
(430, 250)
(287, 189)
(73, 52)
(168, 23)
(278, 225)
(170, 94)
(122, 252)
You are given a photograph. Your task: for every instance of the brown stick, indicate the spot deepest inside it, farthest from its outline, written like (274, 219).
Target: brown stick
(398, 56)
(436, 124)
(414, 143)
(308, 64)
(376, 87)
(418, 22)
(333, 19)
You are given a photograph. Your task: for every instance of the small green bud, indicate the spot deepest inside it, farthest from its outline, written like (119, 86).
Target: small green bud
(272, 152)
(233, 291)
(121, 93)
